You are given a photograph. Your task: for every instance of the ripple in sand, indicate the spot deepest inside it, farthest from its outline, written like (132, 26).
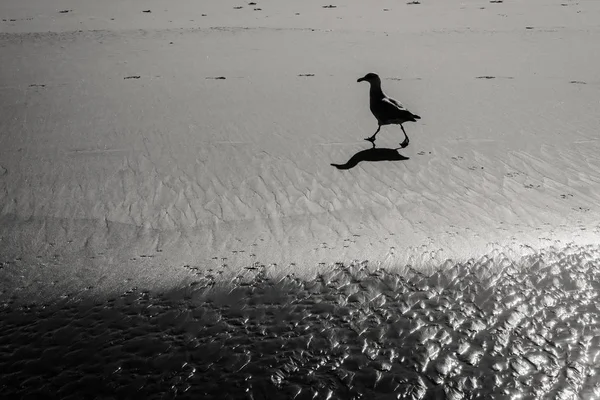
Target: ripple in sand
(484, 328)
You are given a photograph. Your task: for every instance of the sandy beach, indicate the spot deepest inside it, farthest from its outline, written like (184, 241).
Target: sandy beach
(178, 155)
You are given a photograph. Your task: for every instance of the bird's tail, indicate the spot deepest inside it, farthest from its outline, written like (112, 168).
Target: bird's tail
(415, 116)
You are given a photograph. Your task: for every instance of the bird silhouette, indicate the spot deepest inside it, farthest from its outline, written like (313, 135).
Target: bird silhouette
(388, 111)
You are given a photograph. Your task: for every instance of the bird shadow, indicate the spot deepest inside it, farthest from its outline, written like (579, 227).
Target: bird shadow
(373, 154)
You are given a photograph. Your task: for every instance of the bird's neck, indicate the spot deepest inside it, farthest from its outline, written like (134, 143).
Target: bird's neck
(376, 91)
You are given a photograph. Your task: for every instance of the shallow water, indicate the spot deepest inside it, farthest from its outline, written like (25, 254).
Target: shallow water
(489, 328)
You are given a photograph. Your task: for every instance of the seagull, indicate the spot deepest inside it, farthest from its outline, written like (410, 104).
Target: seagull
(387, 110)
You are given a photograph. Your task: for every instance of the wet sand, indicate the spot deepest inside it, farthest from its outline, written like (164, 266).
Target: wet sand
(171, 225)
(529, 329)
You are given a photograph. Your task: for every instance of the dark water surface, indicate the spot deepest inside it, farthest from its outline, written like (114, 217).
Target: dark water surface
(489, 328)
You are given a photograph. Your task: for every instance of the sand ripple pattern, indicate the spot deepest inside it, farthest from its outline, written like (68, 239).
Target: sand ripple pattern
(487, 328)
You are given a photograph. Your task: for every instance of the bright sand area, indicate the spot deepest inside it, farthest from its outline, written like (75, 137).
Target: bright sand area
(124, 156)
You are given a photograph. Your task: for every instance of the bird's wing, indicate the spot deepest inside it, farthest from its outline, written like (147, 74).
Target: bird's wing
(388, 109)
(395, 103)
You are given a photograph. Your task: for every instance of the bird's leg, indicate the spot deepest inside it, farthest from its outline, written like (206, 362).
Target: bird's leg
(372, 138)
(405, 142)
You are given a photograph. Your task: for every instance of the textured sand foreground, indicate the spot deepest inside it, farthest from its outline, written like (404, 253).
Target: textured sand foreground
(527, 330)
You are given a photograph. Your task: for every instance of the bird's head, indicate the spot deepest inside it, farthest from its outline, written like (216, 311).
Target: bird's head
(371, 78)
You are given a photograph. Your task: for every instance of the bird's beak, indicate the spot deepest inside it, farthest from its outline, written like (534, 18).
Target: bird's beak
(360, 79)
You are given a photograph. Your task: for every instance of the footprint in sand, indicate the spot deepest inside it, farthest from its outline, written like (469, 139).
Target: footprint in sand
(581, 209)
(19, 19)
(402, 79)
